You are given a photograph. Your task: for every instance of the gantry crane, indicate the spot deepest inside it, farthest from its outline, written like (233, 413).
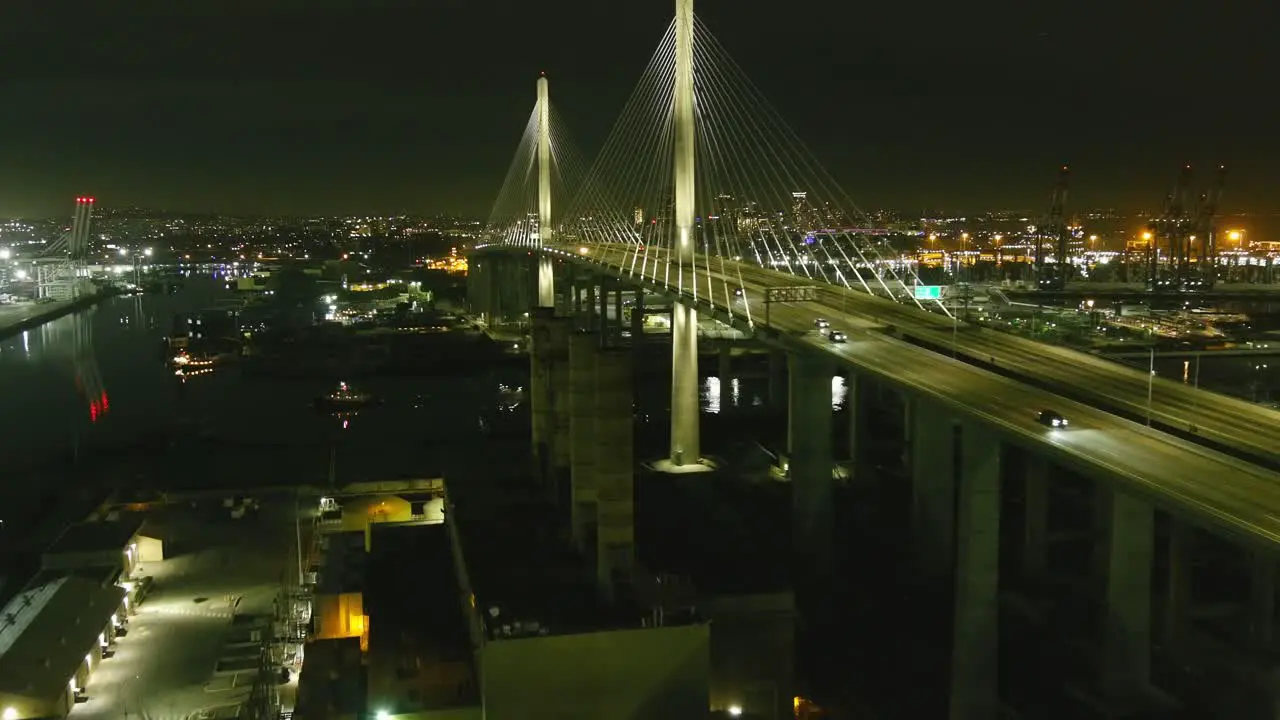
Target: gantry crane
(1054, 230)
(1206, 238)
(1181, 256)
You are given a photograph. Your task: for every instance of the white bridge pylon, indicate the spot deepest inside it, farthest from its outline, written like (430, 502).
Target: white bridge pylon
(699, 184)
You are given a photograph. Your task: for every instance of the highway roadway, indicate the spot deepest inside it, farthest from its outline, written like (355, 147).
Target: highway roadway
(1209, 488)
(1249, 430)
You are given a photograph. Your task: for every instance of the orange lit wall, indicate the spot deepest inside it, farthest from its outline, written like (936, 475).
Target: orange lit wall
(341, 616)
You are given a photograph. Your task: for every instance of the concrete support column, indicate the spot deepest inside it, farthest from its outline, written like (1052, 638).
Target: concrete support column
(1177, 601)
(617, 313)
(686, 443)
(493, 298)
(933, 476)
(1035, 548)
(1262, 601)
(724, 364)
(777, 377)
(603, 322)
(583, 442)
(541, 411)
(549, 400)
(637, 318)
(637, 329)
(589, 305)
(561, 331)
(615, 457)
(810, 463)
(1126, 661)
(855, 404)
(908, 431)
(546, 296)
(975, 691)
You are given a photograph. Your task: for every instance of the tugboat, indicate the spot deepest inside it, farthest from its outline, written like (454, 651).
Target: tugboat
(345, 400)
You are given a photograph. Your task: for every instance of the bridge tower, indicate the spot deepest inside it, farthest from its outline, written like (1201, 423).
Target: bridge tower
(546, 277)
(685, 442)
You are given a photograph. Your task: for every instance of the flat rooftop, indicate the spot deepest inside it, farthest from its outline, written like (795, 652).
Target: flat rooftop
(727, 536)
(101, 575)
(431, 616)
(45, 631)
(342, 563)
(522, 569)
(99, 536)
(332, 682)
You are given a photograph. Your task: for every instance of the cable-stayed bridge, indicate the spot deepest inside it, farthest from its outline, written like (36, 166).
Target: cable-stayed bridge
(702, 194)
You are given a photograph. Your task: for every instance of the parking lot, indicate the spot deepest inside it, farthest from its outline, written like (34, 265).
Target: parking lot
(192, 649)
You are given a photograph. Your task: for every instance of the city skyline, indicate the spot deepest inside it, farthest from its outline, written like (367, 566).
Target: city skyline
(389, 109)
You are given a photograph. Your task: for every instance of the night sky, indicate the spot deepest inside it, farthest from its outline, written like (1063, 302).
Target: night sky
(336, 106)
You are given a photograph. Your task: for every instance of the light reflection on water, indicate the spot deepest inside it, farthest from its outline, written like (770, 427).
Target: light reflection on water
(712, 399)
(715, 396)
(752, 392)
(839, 392)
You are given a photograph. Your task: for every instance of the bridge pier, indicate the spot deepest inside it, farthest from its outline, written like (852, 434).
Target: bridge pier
(637, 326)
(1126, 660)
(615, 457)
(583, 454)
(546, 281)
(549, 400)
(1035, 550)
(810, 465)
(686, 447)
(857, 407)
(600, 497)
(499, 288)
(975, 691)
(1262, 601)
(1178, 598)
(777, 378)
(724, 363)
(933, 471)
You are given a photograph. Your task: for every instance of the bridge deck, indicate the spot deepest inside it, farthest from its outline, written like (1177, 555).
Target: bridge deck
(1206, 486)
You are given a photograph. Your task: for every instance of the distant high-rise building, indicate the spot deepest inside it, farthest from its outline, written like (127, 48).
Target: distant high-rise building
(803, 215)
(639, 216)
